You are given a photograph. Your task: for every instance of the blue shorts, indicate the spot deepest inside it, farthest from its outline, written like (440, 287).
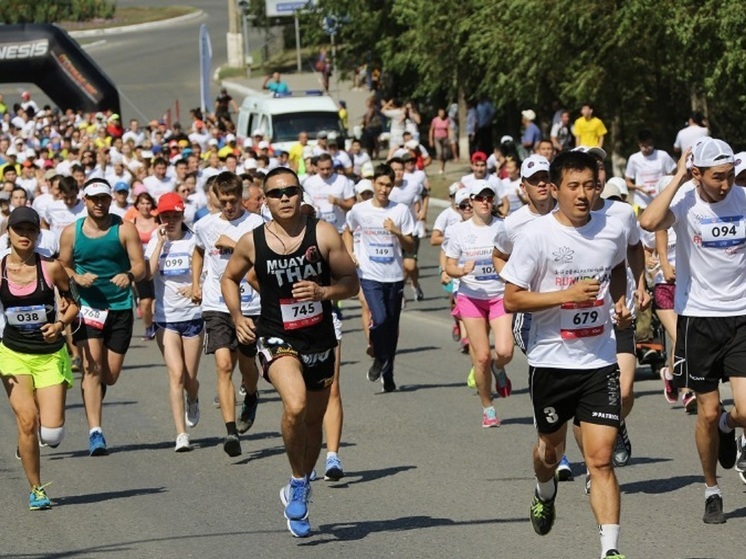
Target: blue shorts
(185, 328)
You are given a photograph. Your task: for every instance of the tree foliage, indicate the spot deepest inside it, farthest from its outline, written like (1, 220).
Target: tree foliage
(641, 63)
(53, 11)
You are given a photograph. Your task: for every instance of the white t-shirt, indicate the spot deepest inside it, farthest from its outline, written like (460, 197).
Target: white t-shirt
(494, 180)
(42, 202)
(689, 135)
(512, 225)
(379, 253)
(358, 160)
(710, 255)
(174, 272)
(319, 190)
(445, 219)
(549, 256)
(510, 189)
(118, 210)
(645, 171)
(157, 187)
(469, 242)
(59, 216)
(408, 194)
(207, 231)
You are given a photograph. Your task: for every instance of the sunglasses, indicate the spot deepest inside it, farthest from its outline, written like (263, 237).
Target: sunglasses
(465, 206)
(483, 198)
(288, 191)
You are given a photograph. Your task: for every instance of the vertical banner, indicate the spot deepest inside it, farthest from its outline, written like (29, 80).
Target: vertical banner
(205, 68)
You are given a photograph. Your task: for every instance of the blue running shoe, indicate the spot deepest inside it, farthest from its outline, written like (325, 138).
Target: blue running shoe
(38, 500)
(313, 477)
(334, 470)
(300, 528)
(248, 412)
(295, 496)
(564, 471)
(97, 444)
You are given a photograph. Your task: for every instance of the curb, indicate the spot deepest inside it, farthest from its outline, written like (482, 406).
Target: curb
(135, 27)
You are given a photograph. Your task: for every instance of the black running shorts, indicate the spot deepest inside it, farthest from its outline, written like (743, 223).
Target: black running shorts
(220, 332)
(116, 332)
(317, 368)
(591, 395)
(625, 339)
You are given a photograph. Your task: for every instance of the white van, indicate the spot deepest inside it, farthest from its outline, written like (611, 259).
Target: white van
(282, 118)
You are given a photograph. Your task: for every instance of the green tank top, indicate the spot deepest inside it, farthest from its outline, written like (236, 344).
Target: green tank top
(105, 257)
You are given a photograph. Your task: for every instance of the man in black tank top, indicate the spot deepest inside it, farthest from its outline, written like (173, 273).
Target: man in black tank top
(301, 266)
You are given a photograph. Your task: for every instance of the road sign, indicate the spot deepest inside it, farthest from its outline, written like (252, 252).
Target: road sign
(330, 25)
(279, 8)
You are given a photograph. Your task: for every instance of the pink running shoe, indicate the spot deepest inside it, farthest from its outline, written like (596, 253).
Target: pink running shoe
(489, 418)
(669, 390)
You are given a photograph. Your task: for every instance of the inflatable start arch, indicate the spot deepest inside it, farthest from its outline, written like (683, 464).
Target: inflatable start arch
(45, 55)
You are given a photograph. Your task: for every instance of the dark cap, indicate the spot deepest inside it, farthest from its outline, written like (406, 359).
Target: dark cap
(24, 214)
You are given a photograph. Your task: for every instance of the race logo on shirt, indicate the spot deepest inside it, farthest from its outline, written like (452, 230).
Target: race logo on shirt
(563, 254)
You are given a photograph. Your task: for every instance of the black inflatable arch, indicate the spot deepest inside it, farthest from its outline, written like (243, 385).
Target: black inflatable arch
(46, 56)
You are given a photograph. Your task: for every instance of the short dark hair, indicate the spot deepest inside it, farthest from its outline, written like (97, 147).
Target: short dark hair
(645, 136)
(9, 169)
(68, 186)
(324, 157)
(384, 170)
(574, 161)
(160, 161)
(395, 160)
(227, 183)
(280, 171)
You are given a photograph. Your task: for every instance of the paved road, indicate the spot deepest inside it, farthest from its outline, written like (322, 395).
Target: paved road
(423, 478)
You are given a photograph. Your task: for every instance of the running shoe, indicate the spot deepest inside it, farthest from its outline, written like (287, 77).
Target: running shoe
(622, 448)
(587, 486)
(503, 386)
(182, 443)
(149, 333)
(489, 418)
(248, 412)
(471, 380)
(614, 554)
(727, 448)
(37, 499)
(418, 294)
(242, 390)
(295, 497)
(388, 385)
(542, 513)
(465, 346)
(689, 399)
(75, 364)
(714, 510)
(740, 456)
(564, 471)
(369, 351)
(192, 413)
(456, 333)
(374, 373)
(216, 402)
(97, 444)
(334, 470)
(669, 390)
(312, 476)
(299, 528)
(232, 445)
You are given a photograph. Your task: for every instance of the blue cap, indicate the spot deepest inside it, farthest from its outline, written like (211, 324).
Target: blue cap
(121, 185)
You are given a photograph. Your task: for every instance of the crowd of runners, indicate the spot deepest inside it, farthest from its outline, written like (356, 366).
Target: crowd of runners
(244, 253)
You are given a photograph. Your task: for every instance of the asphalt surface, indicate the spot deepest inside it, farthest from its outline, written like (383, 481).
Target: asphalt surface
(422, 478)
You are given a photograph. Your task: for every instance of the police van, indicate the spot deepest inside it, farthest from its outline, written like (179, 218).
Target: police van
(283, 117)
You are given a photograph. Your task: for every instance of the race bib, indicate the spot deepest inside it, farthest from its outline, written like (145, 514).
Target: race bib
(247, 294)
(582, 320)
(723, 232)
(383, 253)
(484, 270)
(93, 318)
(175, 264)
(26, 318)
(297, 314)
(329, 217)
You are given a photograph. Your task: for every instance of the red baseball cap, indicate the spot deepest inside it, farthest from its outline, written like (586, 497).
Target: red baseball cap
(478, 156)
(170, 202)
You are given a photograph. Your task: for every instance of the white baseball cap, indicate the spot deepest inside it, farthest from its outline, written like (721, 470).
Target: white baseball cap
(712, 152)
(528, 114)
(595, 151)
(506, 139)
(97, 188)
(479, 186)
(533, 164)
(455, 187)
(740, 162)
(411, 144)
(364, 186)
(461, 196)
(258, 132)
(229, 138)
(611, 190)
(620, 184)
(263, 145)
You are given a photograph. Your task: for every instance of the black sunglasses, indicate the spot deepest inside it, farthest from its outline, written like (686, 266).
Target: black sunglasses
(288, 191)
(464, 206)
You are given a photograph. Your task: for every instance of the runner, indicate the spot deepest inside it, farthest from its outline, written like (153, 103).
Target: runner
(566, 270)
(216, 236)
(385, 233)
(105, 285)
(178, 320)
(302, 266)
(146, 224)
(35, 367)
(480, 293)
(711, 328)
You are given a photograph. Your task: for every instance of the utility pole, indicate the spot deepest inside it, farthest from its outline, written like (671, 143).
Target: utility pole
(234, 39)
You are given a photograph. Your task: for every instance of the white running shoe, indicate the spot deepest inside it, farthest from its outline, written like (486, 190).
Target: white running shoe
(192, 413)
(182, 443)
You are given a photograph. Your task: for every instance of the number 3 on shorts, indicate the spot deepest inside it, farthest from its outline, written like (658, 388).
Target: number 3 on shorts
(551, 415)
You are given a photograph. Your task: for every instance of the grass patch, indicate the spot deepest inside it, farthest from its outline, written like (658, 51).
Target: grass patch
(130, 15)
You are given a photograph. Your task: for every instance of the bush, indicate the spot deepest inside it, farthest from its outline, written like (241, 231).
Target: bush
(53, 11)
